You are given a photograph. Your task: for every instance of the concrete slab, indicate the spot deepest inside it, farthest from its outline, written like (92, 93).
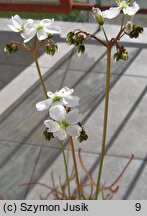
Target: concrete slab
(17, 163)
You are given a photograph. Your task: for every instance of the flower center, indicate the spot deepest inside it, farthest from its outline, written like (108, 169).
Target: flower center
(20, 29)
(38, 27)
(56, 98)
(123, 5)
(64, 124)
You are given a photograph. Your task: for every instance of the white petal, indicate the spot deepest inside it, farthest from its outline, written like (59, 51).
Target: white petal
(57, 112)
(13, 28)
(60, 134)
(41, 35)
(65, 91)
(28, 34)
(70, 101)
(52, 125)
(111, 13)
(74, 131)
(17, 21)
(96, 11)
(131, 10)
(29, 25)
(47, 22)
(52, 29)
(50, 94)
(30, 21)
(72, 117)
(44, 105)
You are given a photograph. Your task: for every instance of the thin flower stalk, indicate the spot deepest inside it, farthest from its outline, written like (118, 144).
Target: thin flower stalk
(105, 119)
(75, 167)
(39, 73)
(66, 170)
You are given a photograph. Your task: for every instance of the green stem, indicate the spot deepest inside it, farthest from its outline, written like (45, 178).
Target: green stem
(75, 167)
(39, 73)
(122, 21)
(103, 29)
(66, 170)
(105, 120)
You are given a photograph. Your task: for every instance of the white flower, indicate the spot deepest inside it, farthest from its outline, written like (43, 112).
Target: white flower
(127, 9)
(41, 28)
(122, 6)
(17, 24)
(30, 28)
(63, 97)
(63, 124)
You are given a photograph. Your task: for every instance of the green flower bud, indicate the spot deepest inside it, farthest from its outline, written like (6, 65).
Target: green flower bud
(124, 55)
(70, 38)
(121, 54)
(116, 57)
(133, 30)
(83, 136)
(98, 16)
(48, 136)
(10, 48)
(81, 49)
(51, 48)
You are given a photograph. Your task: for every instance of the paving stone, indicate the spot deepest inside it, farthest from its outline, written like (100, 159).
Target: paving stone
(129, 186)
(139, 66)
(17, 163)
(48, 157)
(9, 73)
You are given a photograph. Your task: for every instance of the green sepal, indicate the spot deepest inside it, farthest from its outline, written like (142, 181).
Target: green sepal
(48, 136)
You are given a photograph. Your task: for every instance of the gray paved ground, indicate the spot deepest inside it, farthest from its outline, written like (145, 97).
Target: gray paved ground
(24, 154)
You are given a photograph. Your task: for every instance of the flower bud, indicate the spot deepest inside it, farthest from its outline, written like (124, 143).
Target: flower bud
(121, 54)
(70, 38)
(83, 136)
(128, 27)
(116, 57)
(10, 48)
(78, 40)
(51, 48)
(81, 49)
(124, 55)
(133, 30)
(98, 16)
(48, 136)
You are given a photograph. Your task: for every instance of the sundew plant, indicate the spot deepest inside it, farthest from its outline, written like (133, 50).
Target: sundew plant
(64, 118)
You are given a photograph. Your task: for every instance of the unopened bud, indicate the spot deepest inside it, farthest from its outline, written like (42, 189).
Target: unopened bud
(98, 16)
(116, 57)
(135, 30)
(10, 48)
(48, 136)
(81, 49)
(51, 48)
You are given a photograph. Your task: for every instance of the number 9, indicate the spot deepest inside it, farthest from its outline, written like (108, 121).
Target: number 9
(138, 206)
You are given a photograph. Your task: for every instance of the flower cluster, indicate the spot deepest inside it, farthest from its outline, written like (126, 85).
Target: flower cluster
(125, 6)
(43, 29)
(64, 116)
(73, 38)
